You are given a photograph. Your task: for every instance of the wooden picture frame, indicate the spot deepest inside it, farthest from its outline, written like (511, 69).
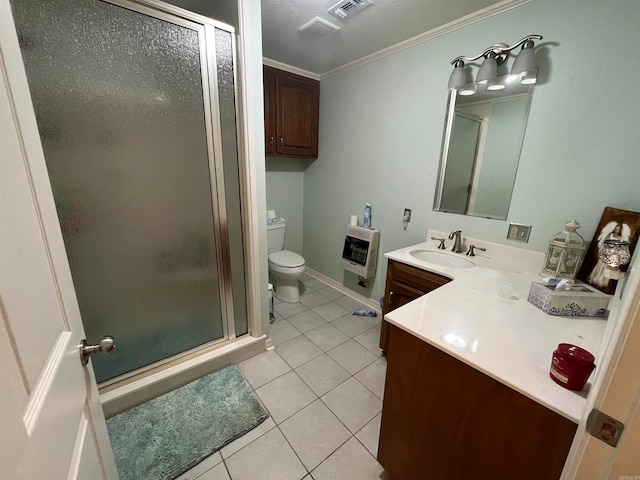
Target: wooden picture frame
(614, 223)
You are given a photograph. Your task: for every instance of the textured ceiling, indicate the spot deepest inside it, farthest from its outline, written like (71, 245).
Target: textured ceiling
(379, 26)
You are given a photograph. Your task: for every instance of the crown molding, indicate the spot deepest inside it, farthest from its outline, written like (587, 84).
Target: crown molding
(465, 21)
(290, 68)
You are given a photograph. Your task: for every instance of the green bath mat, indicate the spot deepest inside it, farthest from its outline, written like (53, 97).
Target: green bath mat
(168, 435)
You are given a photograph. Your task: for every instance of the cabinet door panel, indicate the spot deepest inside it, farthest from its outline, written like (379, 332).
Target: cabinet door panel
(297, 122)
(401, 294)
(270, 115)
(397, 295)
(443, 419)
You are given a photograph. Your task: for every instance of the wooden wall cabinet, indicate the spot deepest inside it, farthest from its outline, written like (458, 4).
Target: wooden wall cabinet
(404, 284)
(291, 111)
(443, 419)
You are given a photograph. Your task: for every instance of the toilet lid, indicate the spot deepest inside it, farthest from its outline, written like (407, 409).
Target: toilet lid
(285, 258)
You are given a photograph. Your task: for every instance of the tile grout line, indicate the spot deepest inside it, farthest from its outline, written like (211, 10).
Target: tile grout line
(341, 366)
(334, 450)
(307, 471)
(345, 426)
(318, 397)
(326, 353)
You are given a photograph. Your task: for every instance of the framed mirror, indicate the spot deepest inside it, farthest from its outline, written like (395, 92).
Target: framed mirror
(483, 134)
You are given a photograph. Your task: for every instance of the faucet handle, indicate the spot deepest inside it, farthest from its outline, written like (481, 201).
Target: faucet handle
(471, 252)
(442, 246)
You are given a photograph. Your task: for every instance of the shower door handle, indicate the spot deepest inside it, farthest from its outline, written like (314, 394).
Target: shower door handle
(106, 346)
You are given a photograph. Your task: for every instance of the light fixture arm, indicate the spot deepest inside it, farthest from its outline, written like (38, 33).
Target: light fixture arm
(499, 50)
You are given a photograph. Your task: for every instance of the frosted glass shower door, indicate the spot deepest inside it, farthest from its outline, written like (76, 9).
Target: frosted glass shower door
(122, 103)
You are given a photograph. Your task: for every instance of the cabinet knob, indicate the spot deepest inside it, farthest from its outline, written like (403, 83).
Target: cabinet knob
(281, 140)
(270, 139)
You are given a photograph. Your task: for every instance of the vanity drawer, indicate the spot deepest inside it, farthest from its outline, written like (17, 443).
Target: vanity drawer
(404, 284)
(414, 277)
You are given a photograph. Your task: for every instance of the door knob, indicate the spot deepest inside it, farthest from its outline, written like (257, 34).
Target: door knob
(106, 346)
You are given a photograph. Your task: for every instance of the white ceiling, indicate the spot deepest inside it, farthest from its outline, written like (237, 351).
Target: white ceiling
(376, 27)
(381, 25)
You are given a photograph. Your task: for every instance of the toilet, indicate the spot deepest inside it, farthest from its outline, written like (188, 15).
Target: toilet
(285, 266)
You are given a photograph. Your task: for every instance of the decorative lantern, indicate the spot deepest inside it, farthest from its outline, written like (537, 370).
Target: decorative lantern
(614, 254)
(564, 252)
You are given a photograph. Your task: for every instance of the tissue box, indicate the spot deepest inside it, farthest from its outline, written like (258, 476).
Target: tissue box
(581, 301)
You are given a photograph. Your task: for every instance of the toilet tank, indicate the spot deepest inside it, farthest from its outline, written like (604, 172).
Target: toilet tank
(275, 235)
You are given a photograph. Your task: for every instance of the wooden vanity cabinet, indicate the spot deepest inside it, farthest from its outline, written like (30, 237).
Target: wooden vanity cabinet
(443, 419)
(291, 110)
(404, 284)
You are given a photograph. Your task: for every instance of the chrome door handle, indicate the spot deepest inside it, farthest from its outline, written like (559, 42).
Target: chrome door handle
(270, 139)
(106, 346)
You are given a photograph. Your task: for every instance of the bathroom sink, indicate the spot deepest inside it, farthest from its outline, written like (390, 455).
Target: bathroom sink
(441, 258)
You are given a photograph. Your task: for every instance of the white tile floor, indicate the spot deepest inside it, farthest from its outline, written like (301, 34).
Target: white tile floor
(323, 388)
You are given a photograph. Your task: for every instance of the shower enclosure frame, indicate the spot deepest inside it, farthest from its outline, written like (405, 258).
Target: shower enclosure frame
(205, 28)
(149, 381)
(116, 393)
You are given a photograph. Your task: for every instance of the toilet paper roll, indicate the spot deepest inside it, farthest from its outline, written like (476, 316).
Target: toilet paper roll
(354, 220)
(271, 214)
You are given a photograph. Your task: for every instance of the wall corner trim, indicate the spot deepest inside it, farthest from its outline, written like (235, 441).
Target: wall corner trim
(467, 20)
(291, 69)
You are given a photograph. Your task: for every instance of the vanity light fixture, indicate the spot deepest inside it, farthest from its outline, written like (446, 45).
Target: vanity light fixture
(459, 75)
(496, 85)
(523, 68)
(489, 68)
(525, 62)
(468, 89)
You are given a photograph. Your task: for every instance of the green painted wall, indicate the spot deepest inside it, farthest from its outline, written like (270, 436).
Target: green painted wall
(381, 129)
(285, 181)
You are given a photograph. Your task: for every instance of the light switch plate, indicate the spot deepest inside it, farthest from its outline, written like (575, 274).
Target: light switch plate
(519, 232)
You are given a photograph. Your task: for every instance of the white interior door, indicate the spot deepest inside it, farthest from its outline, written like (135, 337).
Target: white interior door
(53, 426)
(616, 392)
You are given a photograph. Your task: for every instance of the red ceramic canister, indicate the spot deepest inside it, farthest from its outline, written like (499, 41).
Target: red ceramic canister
(571, 366)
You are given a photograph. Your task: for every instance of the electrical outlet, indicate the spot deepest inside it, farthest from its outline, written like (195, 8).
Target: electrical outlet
(518, 232)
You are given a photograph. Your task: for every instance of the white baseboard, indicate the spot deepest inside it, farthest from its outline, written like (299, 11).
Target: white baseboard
(369, 302)
(269, 344)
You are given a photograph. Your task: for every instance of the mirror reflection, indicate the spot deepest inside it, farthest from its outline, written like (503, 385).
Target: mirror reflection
(483, 135)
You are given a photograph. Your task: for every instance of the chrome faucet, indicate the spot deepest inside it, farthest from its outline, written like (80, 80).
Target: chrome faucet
(456, 236)
(442, 246)
(471, 251)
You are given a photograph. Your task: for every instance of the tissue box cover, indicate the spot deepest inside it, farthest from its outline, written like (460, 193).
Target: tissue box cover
(581, 301)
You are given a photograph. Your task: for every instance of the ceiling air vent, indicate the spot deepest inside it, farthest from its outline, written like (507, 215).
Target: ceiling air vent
(348, 8)
(318, 27)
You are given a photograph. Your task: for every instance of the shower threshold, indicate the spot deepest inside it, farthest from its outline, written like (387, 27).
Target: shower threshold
(120, 394)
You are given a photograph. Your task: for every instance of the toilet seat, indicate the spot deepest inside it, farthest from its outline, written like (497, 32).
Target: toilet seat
(286, 259)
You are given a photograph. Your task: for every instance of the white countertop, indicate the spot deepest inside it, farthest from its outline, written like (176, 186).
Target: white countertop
(508, 339)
